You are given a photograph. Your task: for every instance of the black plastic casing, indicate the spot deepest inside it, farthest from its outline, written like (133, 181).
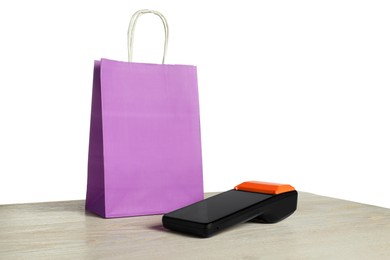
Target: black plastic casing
(210, 216)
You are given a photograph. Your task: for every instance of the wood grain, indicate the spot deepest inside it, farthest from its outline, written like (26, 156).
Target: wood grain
(321, 228)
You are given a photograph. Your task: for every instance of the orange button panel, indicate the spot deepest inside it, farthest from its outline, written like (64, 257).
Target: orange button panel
(264, 187)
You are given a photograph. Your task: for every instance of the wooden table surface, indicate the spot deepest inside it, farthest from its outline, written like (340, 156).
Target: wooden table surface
(321, 228)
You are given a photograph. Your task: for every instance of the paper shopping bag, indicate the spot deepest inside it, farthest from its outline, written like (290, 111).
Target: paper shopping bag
(145, 144)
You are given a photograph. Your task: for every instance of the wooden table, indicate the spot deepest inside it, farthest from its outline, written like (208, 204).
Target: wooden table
(321, 228)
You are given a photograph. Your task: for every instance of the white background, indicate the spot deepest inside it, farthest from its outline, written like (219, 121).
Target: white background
(290, 91)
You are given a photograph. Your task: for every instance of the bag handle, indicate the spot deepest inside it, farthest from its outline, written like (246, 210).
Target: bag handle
(130, 32)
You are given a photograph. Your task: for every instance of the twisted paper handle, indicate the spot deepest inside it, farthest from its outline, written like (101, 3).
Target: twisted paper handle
(130, 32)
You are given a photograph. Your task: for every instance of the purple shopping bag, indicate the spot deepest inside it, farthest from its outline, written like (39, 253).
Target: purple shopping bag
(145, 148)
